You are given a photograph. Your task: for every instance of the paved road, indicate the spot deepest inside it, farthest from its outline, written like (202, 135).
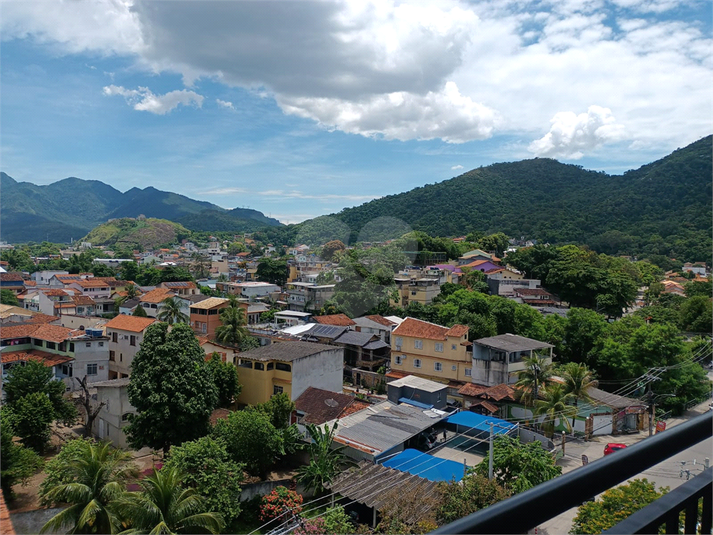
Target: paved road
(666, 473)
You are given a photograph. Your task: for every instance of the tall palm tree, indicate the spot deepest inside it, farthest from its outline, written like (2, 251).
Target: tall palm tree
(578, 379)
(99, 474)
(233, 330)
(131, 291)
(537, 373)
(165, 506)
(171, 312)
(555, 405)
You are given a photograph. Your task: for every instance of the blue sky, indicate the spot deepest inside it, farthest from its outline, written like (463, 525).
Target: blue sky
(302, 108)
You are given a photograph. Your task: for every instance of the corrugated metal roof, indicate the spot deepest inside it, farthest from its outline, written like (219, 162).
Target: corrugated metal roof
(511, 342)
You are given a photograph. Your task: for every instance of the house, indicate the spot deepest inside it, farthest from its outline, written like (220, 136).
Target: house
(699, 268)
(498, 359)
(13, 282)
(363, 351)
(480, 265)
(42, 278)
(377, 325)
(129, 306)
(181, 288)
(418, 392)
(114, 415)
(60, 364)
(672, 287)
(303, 296)
(251, 290)
(227, 353)
(318, 406)
(420, 290)
(535, 297)
(125, 336)
(339, 320)
(205, 315)
(476, 254)
(503, 273)
(505, 287)
(92, 287)
(151, 301)
(431, 351)
(292, 317)
(487, 400)
(253, 311)
(289, 367)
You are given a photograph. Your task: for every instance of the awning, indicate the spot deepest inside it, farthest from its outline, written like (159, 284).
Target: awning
(415, 403)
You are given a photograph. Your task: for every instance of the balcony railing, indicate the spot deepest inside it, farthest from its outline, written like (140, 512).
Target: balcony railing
(527, 510)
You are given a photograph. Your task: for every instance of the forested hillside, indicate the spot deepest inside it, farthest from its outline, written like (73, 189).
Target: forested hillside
(663, 208)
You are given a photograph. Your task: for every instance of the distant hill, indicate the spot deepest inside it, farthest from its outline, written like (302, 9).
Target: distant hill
(71, 207)
(661, 208)
(147, 233)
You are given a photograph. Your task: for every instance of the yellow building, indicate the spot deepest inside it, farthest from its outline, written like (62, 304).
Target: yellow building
(289, 367)
(431, 351)
(417, 290)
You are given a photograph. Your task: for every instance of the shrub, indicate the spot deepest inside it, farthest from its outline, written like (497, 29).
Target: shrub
(279, 501)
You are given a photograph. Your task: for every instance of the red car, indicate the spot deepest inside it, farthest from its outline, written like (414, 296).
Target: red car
(612, 447)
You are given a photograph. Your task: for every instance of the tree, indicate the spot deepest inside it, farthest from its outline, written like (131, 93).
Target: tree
(171, 312)
(280, 502)
(697, 314)
(537, 373)
(232, 331)
(208, 468)
(96, 477)
(17, 463)
(140, 312)
(166, 505)
(331, 248)
(278, 408)
(91, 411)
(517, 466)
(472, 493)
(272, 271)
(30, 418)
(583, 330)
(201, 265)
(555, 406)
(129, 271)
(171, 388)
(225, 377)
(325, 462)
(615, 505)
(577, 382)
(250, 438)
(8, 297)
(59, 468)
(407, 513)
(35, 377)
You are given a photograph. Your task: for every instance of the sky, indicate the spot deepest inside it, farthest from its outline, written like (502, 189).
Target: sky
(301, 108)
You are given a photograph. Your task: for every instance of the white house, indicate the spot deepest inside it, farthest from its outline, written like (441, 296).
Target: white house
(125, 336)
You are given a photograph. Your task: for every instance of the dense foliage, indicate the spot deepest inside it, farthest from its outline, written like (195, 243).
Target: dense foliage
(472, 493)
(171, 388)
(17, 462)
(225, 377)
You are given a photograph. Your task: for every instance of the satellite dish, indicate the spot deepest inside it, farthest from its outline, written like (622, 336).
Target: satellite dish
(331, 402)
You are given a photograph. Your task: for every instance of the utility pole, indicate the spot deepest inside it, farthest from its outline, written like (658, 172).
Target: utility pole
(563, 442)
(490, 454)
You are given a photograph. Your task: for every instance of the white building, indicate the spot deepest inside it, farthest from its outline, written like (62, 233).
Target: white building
(114, 415)
(125, 336)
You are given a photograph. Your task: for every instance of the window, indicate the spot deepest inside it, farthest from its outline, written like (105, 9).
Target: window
(399, 341)
(453, 347)
(89, 344)
(125, 416)
(438, 367)
(439, 347)
(398, 359)
(121, 357)
(259, 366)
(112, 355)
(270, 366)
(416, 363)
(277, 390)
(36, 342)
(71, 347)
(246, 364)
(132, 340)
(91, 369)
(283, 367)
(51, 345)
(418, 344)
(101, 344)
(114, 337)
(67, 370)
(468, 372)
(413, 292)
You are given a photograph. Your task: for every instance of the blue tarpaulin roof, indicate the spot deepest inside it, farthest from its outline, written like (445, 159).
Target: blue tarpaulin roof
(426, 466)
(415, 403)
(478, 422)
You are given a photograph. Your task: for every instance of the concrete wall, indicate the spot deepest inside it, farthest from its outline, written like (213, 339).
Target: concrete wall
(323, 370)
(489, 372)
(405, 346)
(124, 352)
(110, 424)
(81, 322)
(437, 399)
(97, 352)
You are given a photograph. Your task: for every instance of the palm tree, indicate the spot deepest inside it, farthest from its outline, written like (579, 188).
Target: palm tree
(131, 291)
(171, 311)
(165, 506)
(578, 379)
(233, 330)
(325, 463)
(555, 405)
(537, 373)
(99, 474)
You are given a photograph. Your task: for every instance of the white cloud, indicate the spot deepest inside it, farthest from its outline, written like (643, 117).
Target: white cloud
(143, 99)
(456, 167)
(572, 134)
(289, 194)
(225, 104)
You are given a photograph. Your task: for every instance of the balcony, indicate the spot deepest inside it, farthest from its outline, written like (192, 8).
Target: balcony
(524, 512)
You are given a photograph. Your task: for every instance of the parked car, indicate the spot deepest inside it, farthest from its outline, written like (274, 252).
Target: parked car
(612, 447)
(426, 441)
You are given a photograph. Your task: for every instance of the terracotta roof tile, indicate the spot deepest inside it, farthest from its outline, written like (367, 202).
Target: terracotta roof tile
(381, 320)
(5, 521)
(134, 324)
(48, 359)
(156, 296)
(487, 405)
(52, 333)
(472, 390)
(500, 392)
(340, 320)
(321, 406)
(54, 292)
(91, 283)
(84, 300)
(423, 329)
(41, 318)
(17, 331)
(396, 374)
(11, 277)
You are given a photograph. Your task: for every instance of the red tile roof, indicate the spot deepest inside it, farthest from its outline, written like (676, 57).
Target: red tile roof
(486, 405)
(134, 324)
(41, 318)
(48, 359)
(52, 333)
(321, 406)
(423, 329)
(472, 390)
(83, 300)
(11, 277)
(156, 296)
(54, 292)
(5, 521)
(396, 374)
(91, 283)
(381, 320)
(340, 320)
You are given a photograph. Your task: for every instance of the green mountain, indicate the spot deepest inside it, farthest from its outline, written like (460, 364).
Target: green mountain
(663, 208)
(71, 207)
(145, 232)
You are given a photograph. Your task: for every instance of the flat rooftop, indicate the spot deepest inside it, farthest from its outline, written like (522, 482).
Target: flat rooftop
(511, 343)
